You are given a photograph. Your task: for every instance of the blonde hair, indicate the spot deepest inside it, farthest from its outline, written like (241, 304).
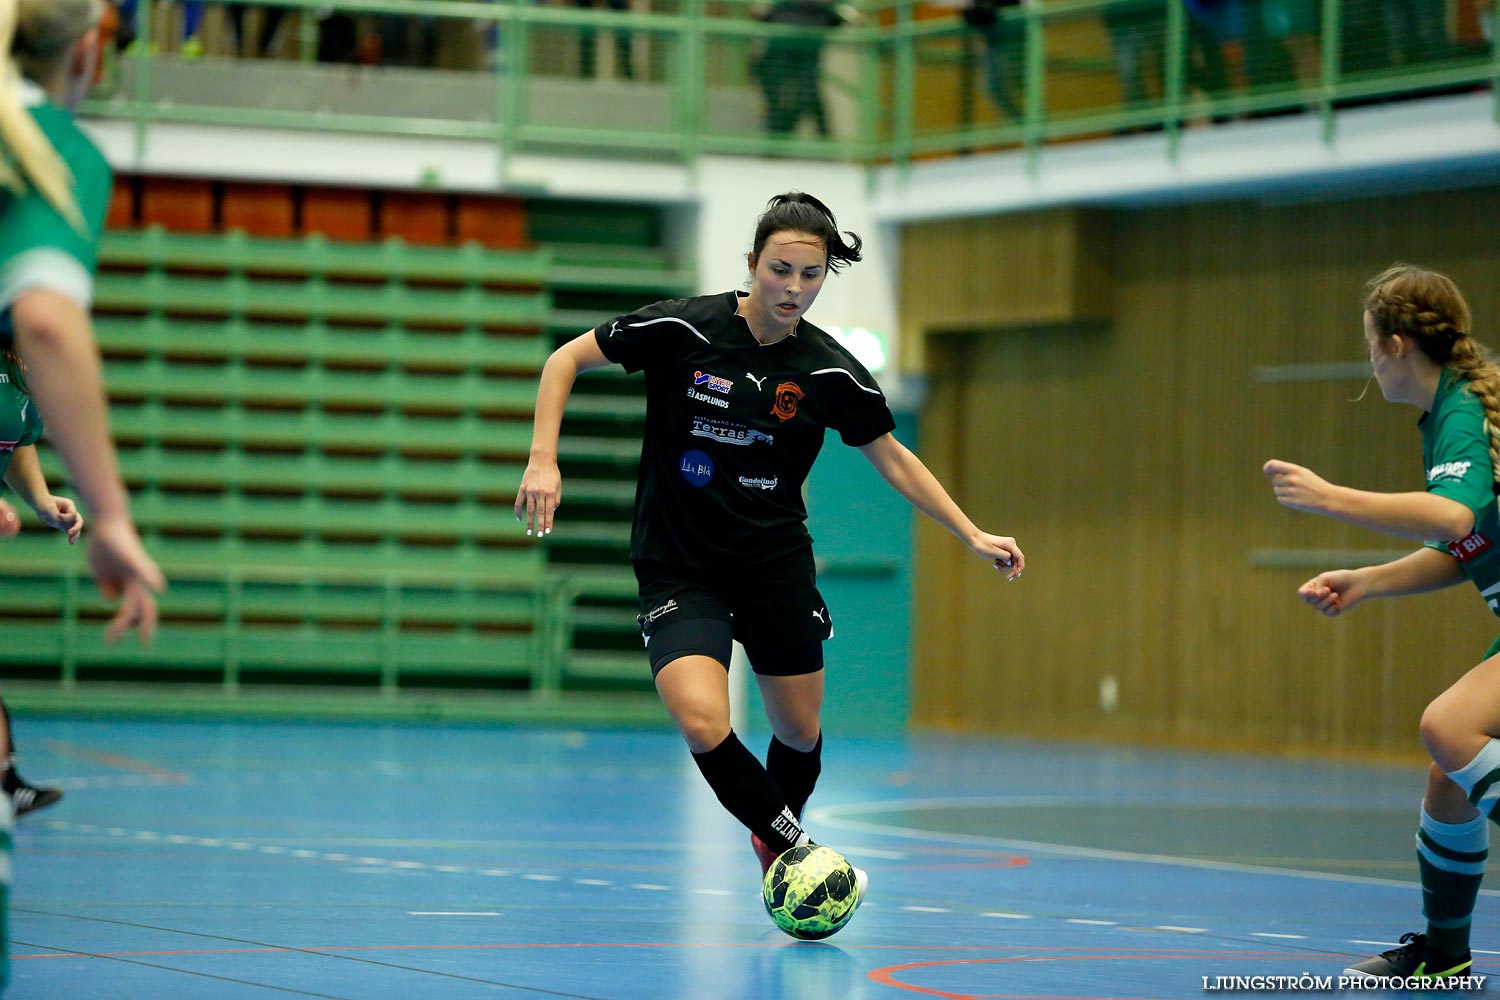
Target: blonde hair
(36, 36)
(1428, 308)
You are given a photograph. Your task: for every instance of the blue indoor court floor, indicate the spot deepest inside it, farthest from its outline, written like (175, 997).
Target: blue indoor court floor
(230, 860)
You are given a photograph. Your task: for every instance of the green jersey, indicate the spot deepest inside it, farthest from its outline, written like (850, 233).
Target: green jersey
(39, 249)
(1456, 451)
(19, 423)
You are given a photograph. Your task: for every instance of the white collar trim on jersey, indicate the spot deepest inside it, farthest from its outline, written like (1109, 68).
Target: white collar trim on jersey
(738, 295)
(32, 94)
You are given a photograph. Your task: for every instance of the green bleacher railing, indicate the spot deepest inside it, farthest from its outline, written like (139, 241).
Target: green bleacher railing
(909, 83)
(322, 442)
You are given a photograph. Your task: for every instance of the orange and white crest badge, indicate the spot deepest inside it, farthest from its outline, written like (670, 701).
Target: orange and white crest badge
(787, 394)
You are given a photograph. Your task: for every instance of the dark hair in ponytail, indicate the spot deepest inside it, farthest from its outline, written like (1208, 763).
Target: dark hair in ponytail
(802, 213)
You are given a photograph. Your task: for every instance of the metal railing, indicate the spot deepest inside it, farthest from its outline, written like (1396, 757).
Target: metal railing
(897, 81)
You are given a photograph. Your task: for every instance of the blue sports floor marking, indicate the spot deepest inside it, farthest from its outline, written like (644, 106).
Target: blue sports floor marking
(292, 858)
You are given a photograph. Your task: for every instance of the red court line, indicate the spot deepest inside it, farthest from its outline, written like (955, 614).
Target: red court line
(982, 859)
(115, 760)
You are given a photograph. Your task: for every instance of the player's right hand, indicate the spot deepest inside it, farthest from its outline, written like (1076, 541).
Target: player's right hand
(539, 496)
(10, 524)
(1333, 592)
(1003, 551)
(124, 571)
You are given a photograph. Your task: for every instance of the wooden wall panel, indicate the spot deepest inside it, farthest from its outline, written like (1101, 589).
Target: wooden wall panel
(1126, 460)
(1042, 268)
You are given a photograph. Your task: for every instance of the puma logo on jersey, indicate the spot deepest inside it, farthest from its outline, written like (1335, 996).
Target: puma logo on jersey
(759, 382)
(821, 615)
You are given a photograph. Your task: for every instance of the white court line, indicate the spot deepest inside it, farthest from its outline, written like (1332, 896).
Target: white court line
(452, 913)
(1094, 923)
(834, 816)
(1008, 916)
(1283, 937)
(1180, 930)
(927, 909)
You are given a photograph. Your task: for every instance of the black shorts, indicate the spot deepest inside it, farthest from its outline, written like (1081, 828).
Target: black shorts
(774, 609)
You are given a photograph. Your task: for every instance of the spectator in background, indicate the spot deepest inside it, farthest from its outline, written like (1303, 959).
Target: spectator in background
(1136, 31)
(192, 25)
(587, 50)
(790, 70)
(1267, 26)
(408, 40)
(1417, 31)
(1209, 23)
(270, 23)
(1004, 52)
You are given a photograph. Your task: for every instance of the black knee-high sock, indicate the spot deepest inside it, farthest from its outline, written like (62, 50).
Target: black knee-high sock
(795, 772)
(747, 791)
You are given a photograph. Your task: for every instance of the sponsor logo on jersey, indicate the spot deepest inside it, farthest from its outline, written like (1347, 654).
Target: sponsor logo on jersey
(728, 433)
(785, 407)
(658, 612)
(1448, 470)
(696, 467)
(1472, 547)
(712, 382)
(759, 484)
(4, 378)
(722, 404)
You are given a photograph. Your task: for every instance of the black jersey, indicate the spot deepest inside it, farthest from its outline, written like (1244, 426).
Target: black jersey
(733, 427)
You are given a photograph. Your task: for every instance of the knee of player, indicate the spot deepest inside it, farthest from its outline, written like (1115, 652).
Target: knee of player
(703, 728)
(1441, 732)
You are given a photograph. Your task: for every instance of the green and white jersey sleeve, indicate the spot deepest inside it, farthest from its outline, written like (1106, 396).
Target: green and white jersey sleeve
(38, 247)
(1456, 452)
(1456, 448)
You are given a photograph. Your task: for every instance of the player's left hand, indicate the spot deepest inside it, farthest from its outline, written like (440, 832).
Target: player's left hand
(10, 524)
(62, 514)
(1003, 551)
(1298, 488)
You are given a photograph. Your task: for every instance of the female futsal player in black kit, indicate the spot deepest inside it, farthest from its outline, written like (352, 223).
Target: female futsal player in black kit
(740, 388)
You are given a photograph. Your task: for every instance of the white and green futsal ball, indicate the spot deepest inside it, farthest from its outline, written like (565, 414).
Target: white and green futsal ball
(809, 892)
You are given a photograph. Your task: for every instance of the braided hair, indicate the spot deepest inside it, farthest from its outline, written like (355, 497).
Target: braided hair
(1428, 308)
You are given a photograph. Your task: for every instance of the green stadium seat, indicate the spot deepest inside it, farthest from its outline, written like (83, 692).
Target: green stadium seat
(323, 441)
